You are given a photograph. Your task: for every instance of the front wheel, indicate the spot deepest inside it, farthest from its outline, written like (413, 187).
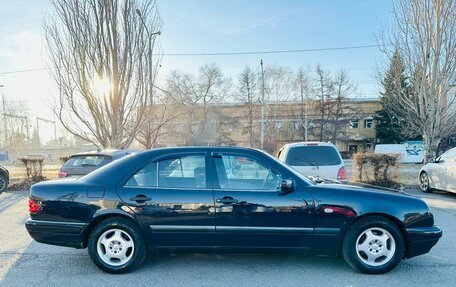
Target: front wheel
(3, 183)
(116, 246)
(374, 245)
(424, 182)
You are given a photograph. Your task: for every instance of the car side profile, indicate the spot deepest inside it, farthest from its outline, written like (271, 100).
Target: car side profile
(440, 174)
(225, 198)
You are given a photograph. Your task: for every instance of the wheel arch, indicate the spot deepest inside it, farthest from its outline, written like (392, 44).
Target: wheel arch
(390, 217)
(102, 217)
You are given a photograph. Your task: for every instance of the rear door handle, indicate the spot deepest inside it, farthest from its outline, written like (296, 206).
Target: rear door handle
(227, 200)
(140, 198)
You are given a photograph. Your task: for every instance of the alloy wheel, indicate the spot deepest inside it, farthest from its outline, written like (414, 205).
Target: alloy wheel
(115, 247)
(375, 246)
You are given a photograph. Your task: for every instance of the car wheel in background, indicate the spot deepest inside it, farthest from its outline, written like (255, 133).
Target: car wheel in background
(424, 182)
(3, 183)
(373, 245)
(117, 246)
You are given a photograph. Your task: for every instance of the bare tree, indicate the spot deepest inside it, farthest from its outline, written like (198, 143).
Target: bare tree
(303, 85)
(279, 87)
(100, 51)
(323, 90)
(209, 87)
(425, 39)
(248, 96)
(341, 110)
(160, 117)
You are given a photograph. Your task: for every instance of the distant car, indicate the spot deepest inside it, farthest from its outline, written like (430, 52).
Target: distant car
(4, 178)
(83, 163)
(314, 159)
(440, 174)
(190, 198)
(407, 155)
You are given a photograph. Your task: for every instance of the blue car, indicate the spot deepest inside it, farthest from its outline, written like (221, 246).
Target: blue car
(225, 198)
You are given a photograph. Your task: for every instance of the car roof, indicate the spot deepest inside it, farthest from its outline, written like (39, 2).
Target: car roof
(106, 152)
(314, 143)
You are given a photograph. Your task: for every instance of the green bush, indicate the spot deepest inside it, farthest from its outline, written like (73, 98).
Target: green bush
(377, 169)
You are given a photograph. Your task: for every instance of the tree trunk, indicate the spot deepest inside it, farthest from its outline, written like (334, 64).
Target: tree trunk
(431, 143)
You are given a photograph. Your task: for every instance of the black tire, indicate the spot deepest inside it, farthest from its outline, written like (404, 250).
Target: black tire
(3, 183)
(350, 253)
(424, 182)
(139, 252)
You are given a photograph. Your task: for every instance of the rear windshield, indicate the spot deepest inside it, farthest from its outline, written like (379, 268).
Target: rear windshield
(87, 161)
(313, 156)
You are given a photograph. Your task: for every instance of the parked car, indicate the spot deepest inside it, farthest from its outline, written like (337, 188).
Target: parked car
(440, 174)
(212, 198)
(407, 155)
(4, 178)
(315, 159)
(85, 162)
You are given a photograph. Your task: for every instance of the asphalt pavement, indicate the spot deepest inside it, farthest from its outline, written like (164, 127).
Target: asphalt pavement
(24, 262)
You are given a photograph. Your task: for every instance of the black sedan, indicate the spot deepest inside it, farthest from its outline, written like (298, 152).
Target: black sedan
(220, 198)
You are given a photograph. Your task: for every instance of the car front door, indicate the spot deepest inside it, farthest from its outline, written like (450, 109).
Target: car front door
(172, 199)
(249, 210)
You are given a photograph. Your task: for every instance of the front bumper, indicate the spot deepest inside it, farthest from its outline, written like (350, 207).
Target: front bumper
(420, 240)
(70, 234)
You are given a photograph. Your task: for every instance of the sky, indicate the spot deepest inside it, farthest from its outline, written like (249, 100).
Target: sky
(208, 26)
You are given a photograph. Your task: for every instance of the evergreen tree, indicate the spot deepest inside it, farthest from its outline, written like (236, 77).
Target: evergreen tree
(389, 127)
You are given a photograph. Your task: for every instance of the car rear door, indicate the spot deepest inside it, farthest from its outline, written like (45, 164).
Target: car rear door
(249, 210)
(173, 200)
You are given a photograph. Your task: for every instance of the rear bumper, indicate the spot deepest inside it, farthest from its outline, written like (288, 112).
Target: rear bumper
(70, 234)
(421, 240)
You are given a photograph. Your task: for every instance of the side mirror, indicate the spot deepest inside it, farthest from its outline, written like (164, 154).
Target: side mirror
(437, 160)
(286, 186)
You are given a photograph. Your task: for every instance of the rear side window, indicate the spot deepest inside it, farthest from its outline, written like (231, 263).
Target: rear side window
(313, 156)
(186, 172)
(87, 161)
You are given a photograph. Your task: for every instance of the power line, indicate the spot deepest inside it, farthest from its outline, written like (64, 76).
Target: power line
(228, 54)
(272, 52)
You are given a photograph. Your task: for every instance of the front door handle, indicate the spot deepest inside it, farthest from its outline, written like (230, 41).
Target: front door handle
(140, 198)
(227, 200)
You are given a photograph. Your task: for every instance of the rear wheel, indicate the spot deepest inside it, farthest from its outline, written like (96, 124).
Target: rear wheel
(117, 246)
(374, 245)
(3, 183)
(424, 182)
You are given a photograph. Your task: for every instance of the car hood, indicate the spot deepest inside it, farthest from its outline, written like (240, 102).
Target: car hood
(364, 187)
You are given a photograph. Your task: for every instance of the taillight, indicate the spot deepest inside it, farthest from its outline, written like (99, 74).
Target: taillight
(62, 174)
(34, 207)
(342, 173)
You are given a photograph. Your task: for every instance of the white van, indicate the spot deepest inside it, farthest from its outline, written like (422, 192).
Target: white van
(317, 159)
(407, 155)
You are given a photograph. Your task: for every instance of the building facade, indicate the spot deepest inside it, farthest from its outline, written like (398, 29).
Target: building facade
(352, 128)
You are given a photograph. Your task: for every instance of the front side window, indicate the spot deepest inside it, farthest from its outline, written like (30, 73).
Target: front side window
(449, 155)
(240, 172)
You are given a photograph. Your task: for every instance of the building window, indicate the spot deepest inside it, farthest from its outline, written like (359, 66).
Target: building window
(368, 123)
(354, 124)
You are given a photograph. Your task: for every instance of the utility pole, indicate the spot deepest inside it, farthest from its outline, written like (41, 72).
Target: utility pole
(262, 104)
(50, 122)
(4, 117)
(304, 101)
